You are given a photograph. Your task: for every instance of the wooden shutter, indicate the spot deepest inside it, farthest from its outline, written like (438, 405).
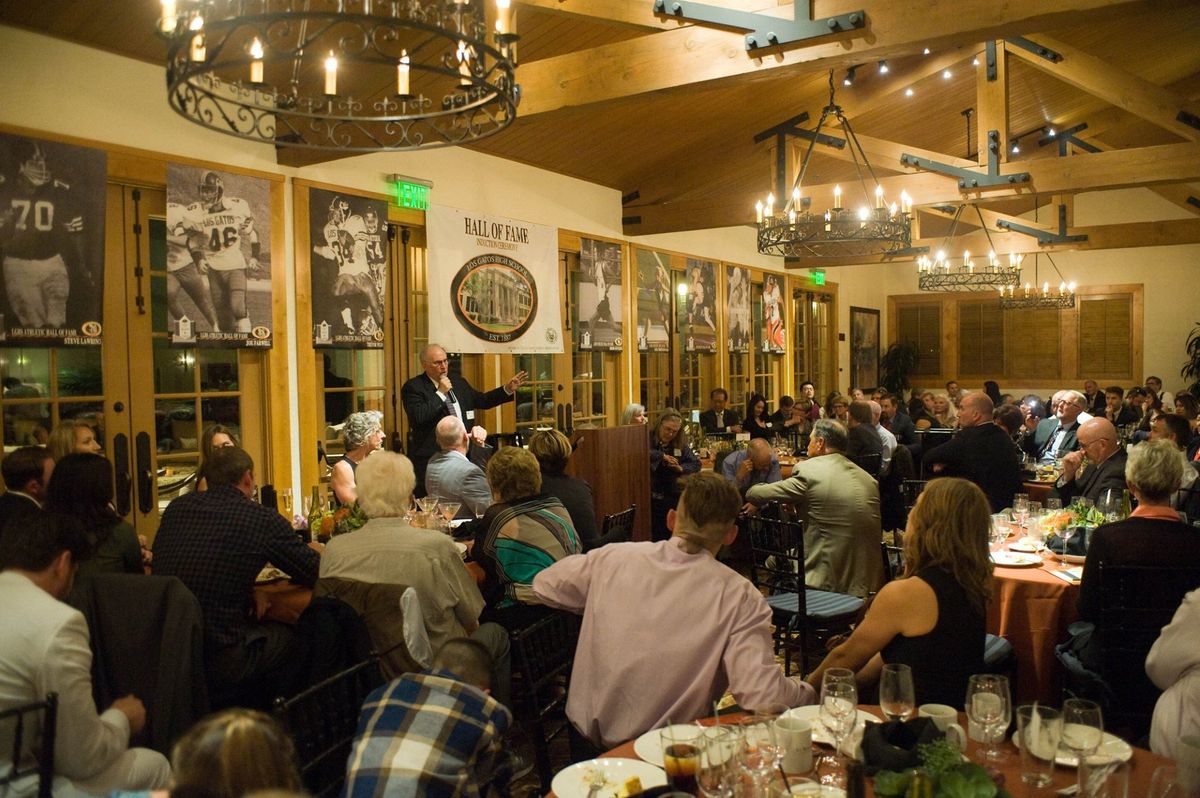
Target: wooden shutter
(980, 331)
(920, 324)
(1031, 340)
(1105, 337)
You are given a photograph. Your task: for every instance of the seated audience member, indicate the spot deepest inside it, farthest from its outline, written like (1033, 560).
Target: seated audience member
(433, 733)
(992, 389)
(1009, 418)
(387, 550)
(758, 421)
(856, 394)
(718, 418)
(523, 532)
(861, 436)
(1174, 428)
(808, 400)
(1115, 408)
(1188, 407)
(671, 457)
(981, 453)
(216, 542)
(553, 452)
(691, 630)
(633, 414)
(27, 472)
(70, 436)
(953, 393)
(82, 487)
(1056, 435)
(754, 465)
(1166, 399)
(932, 619)
(215, 436)
(895, 421)
(837, 408)
(922, 419)
(1106, 469)
(450, 475)
(1174, 666)
(945, 414)
(234, 753)
(886, 438)
(791, 417)
(1151, 535)
(839, 503)
(45, 648)
(1095, 398)
(361, 435)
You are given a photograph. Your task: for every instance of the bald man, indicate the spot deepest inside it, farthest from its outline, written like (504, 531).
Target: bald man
(981, 452)
(1106, 463)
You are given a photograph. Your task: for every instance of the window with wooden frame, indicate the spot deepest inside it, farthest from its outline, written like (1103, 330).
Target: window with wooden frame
(920, 324)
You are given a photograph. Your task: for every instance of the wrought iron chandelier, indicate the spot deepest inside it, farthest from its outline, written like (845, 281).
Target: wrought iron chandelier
(942, 273)
(344, 75)
(1027, 299)
(793, 230)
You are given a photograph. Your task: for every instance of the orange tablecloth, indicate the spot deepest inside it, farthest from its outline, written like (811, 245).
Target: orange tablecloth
(1031, 608)
(1141, 767)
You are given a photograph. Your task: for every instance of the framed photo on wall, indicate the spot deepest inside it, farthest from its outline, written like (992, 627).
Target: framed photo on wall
(864, 348)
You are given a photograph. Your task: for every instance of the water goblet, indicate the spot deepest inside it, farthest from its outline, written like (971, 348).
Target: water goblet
(838, 714)
(717, 775)
(1083, 727)
(989, 708)
(897, 698)
(1053, 504)
(286, 504)
(1020, 508)
(758, 752)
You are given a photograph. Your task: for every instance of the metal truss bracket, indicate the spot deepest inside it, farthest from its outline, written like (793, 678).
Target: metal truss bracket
(764, 31)
(1065, 137)
(1053, 56)
(1044, 237)
(966, 178)
(1188, 119)
(989, 51)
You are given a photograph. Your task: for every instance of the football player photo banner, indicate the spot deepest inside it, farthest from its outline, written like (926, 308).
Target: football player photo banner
(653, 301)
(349, 253)
(599, 325)
(772, 314)
(493, 284)
(698, 322)
(52, 200)
(218, 252)
(738, 320)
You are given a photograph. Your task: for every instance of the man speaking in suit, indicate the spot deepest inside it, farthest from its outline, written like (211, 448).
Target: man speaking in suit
(1097, 441)
(435, 394)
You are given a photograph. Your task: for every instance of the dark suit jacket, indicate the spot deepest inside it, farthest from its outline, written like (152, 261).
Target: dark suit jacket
(863, 440)
(905, 431)
(425, 409)
(1095, 479)
(984, 455)
(1036, 443)
(708, 421)
(14, 508)
(1096, 404)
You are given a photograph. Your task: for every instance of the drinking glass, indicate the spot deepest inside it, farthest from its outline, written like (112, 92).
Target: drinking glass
(758, 752)
(1038, 731)
(1066, 534)
(1166, 784)
(1102, 776)
(285, 503)
(1110, 504)
(989, 707)
(1033, 517)
(1020, 508)
(1053, 504)
(1083, 727)
(428, 504)
(838, 714)
(681, 756)
(897, 699)
(717, 774)
(449, 510)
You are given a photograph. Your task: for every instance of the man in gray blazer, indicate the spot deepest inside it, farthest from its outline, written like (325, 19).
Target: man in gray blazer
(452, 476)
(839, 503)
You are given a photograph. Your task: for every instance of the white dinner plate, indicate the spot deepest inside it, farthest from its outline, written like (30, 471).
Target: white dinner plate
(575, 780)
(1112, 745)
(1009, 559)
(812, 714)
(1026, 546)
(649, 745)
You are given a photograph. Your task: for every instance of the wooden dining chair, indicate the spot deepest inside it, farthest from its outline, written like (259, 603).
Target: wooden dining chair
(803, 617)
(24, 738)
(542, 655)
(618, 527)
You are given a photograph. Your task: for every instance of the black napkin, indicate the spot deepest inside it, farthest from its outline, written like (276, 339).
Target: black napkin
(893, 745)
(1078, 544)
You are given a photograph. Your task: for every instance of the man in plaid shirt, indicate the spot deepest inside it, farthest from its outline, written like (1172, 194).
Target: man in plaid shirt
(434, 733)
(216, 542)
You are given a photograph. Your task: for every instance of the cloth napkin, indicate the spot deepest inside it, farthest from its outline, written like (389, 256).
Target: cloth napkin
(1078, 544)
(893, 745)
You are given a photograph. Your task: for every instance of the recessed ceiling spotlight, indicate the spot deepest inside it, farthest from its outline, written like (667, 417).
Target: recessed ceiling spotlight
(1015, 148)
(908, 92)
(883, 68)
(1050, 132)
(975, 61)
(926, 51)
(849, 79)
(947, 74)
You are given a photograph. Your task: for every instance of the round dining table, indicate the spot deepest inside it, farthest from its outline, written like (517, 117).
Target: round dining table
(1142, 764)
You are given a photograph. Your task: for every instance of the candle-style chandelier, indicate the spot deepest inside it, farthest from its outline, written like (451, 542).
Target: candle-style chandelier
(1029, 298)
(792, 230)
(345, 75)
(943, 273)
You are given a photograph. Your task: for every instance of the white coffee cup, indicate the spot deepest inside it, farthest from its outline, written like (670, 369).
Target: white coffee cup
(945, 717)
(795, 735)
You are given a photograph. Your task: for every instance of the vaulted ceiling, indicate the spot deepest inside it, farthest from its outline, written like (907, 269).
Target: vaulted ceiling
(667, 112)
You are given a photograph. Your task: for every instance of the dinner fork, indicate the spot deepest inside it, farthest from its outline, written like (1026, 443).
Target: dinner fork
(598, 780)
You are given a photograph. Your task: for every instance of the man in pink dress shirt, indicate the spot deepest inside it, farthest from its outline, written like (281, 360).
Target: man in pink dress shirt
(666, 628)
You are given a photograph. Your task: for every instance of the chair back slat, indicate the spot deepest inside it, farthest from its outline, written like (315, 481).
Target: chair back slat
(777, 561)
(618, 527)
(543, 653)
(43, 746)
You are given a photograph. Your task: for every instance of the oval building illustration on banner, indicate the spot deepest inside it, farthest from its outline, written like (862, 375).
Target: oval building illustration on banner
(494, 297)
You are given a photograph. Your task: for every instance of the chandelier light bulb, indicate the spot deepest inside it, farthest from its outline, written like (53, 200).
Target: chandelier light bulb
(758, 211)
(170, 16)
(198, 52)
(879, 197)
(864, 213)
(837, 197)
(796, 196)
(256, 66)
(402, 75)
(331, 66)
(1071, 286)
(975, 61)
(464, 64)
(504, 16)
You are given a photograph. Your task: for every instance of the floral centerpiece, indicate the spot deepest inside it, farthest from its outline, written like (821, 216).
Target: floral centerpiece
(1077, 515)
(332, 523)
(944, 774)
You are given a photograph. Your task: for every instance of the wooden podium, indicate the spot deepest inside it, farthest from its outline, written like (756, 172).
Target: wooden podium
(615, 461)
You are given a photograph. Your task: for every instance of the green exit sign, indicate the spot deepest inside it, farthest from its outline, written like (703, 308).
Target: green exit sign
(412, 195)
(818, 276)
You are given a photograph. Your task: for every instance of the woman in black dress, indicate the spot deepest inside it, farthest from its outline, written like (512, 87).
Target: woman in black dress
(932, 619)
(758, 421)
(553, 451)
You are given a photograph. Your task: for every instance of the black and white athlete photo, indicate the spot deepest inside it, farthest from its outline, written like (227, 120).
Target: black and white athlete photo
(349, 269)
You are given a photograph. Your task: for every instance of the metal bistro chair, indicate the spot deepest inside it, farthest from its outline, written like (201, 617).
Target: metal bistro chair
(543, 653)
(803, 616)
(43, 765)
(322, 721)
(618, 527)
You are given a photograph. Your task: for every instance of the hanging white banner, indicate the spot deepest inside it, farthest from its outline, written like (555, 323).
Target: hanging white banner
(493, 284)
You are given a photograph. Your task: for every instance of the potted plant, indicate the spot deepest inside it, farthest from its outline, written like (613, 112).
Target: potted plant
(897, 362)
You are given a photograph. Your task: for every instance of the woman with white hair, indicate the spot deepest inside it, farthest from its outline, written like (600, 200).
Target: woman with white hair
(361, 435)
(633, 414)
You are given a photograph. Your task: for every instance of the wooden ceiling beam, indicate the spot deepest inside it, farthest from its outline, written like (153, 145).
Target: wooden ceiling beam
(637, 14)
(693, 55)
(1112, 84)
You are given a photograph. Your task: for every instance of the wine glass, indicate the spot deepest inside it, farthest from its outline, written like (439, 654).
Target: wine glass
(1083, 727)
(897, 699)
(717, 775)
(989, 708)
(838, 714)
(758, 752)
(1020, 508)
(1066, 534)
(448, 510)
(1110, 504)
